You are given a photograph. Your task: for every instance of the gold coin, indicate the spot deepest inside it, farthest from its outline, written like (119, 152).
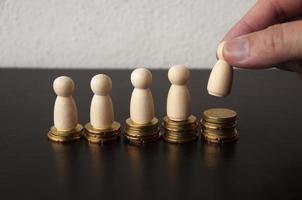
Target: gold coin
(219, 139)
(220, 134)
(181, 133)
(180, 126)
(96, 138)
(219, 115)
(140, 129)
(141, 140)
(191, 119)
(130, 122)
(141, 133)
(176, 139)
(115, 126)
(187, 127)
(220, 126)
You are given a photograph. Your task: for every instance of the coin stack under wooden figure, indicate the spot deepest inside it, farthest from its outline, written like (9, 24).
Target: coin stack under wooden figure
(180, 131)
(219, 125)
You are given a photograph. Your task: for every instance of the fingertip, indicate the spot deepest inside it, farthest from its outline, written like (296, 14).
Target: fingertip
(219, 51)
(236, 51)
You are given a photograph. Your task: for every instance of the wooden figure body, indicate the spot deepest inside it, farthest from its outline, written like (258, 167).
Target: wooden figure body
(65, 110)
(221, 77)
(220, 80)
(179, 99)
(141, 103)
(101, 109)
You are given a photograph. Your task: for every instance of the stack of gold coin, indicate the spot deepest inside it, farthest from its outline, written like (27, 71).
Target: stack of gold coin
(95, 135)
(180, 131)
(140, 134)
(65, 136)
(219, 125)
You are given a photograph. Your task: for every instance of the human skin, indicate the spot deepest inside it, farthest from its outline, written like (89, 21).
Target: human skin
(268, 35)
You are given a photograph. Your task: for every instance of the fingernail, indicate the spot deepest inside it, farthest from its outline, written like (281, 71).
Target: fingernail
(237, 49)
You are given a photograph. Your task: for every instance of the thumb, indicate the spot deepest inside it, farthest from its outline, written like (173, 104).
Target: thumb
(266, 48)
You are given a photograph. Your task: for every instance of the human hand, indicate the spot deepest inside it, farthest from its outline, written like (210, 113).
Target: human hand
(269, 35)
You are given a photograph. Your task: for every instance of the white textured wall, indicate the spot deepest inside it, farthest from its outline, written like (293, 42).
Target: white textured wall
(114, 33)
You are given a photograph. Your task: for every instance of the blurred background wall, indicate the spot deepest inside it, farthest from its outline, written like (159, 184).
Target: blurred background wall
(114, 33)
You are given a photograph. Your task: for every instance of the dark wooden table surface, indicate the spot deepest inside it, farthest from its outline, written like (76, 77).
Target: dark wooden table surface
(266, 162)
